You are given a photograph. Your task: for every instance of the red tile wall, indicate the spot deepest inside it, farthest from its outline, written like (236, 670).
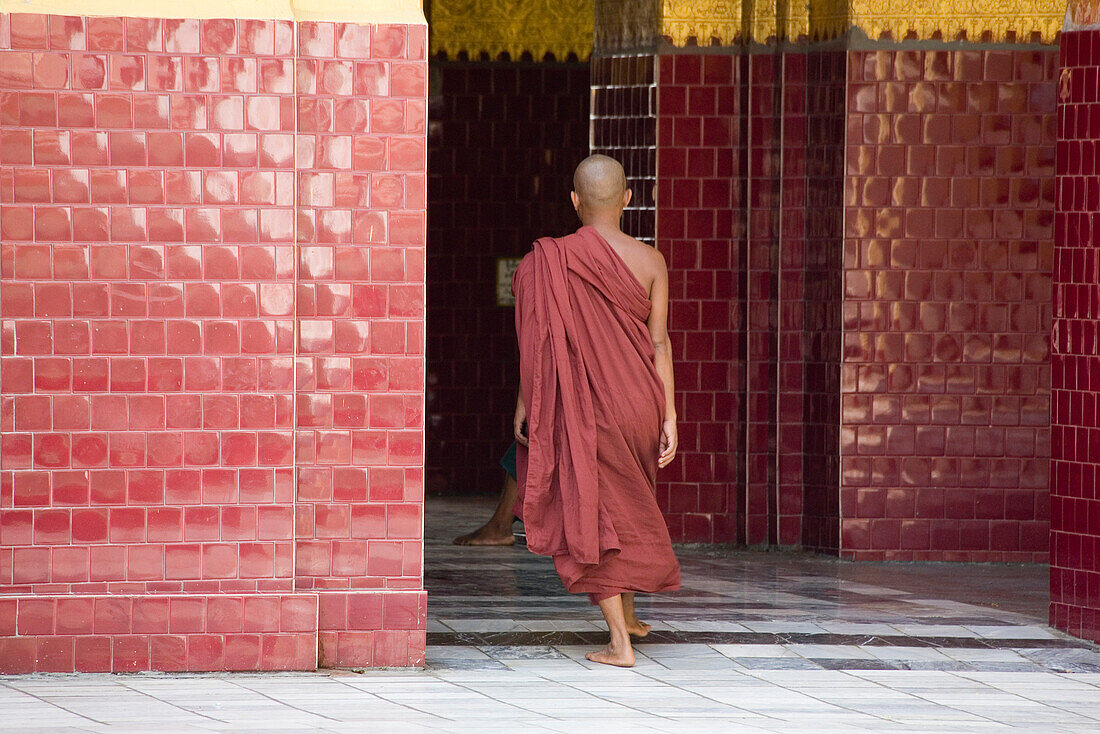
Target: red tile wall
(759, 272)
(732, 130)
(504, 141)
(789, 344)
(859, 247)
(731, 152)
(772, 271)
(1075, 470)
(949, 200)
(823, 274)
(699, 226)
(169, 632)
(212, 288)
(362, 154)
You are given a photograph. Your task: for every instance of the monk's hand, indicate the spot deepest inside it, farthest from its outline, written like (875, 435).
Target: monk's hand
(519, 423)
(669, 440)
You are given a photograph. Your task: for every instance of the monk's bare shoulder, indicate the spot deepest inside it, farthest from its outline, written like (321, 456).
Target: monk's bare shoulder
(656, 259)
(658, 270)
(645, 261)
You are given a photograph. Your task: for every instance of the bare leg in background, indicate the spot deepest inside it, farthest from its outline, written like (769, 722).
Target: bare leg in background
(498, 531)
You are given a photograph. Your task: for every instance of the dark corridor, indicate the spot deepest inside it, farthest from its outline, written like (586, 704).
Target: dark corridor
(503, 140)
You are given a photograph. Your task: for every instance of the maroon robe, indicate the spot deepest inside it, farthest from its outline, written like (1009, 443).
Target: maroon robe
(595, 405)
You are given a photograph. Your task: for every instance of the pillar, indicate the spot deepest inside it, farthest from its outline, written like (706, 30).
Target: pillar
(1075, 470)
(948, 240)
(212, 338)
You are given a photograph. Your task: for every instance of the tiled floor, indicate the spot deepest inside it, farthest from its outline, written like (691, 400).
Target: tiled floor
(754, 642)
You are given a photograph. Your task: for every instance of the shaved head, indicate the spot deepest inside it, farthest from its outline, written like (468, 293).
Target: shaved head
(600, 183)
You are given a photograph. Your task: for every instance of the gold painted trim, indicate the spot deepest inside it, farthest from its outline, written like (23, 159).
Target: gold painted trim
(1082, 13)
(740, 21)
(975, 18)
(538, 27)
(348, 11)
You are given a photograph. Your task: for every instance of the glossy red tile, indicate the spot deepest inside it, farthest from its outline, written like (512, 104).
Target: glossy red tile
(1073, 409)
(127, 357)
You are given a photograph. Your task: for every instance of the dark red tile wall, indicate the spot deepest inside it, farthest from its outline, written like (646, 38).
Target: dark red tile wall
(504, 140)
(212, 339)
(759, 271)
(675, 122)
(789, 345)
(772, 271)
(731, 212)
(1075, 418)
(822, 312)
(731, 208)
(949, 199)
(699, 226)
(859, 247)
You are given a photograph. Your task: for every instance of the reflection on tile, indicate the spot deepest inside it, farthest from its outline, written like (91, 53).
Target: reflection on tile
(1075, 360)
(522, 652)
(747, 611)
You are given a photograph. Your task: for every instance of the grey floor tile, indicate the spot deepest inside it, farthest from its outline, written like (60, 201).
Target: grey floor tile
(768, 643)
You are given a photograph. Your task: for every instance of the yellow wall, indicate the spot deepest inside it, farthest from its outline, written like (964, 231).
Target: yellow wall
(539, 27)
(626, 23)
(1084, 13)
(352, 11)
(730, 20)
(974, 17)
(733, 21)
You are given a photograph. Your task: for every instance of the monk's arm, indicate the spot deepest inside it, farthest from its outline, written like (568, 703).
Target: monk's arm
(662, 348)
(519, 422)
(519, 419)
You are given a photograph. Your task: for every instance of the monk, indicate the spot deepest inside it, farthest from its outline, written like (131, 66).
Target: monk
(595, 416)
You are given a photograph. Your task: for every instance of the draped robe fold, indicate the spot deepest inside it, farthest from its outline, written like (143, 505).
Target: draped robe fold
(595, 404)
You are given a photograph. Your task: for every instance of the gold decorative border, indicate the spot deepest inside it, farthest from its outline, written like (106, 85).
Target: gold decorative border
(732, 20)
(349, 11)
(626, 24)
(829, 19)
(1083, 13)
(559, 27)
(780, 19)
(683, 22)
(950, 18)
(702, 20)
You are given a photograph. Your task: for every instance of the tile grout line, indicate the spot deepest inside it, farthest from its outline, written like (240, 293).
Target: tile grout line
(708, 698)
(381, 697)
(962, 674)
(128, 687)
(601, 698)
(276, 700)
(951, 673)
(494, 698)
(54, 705)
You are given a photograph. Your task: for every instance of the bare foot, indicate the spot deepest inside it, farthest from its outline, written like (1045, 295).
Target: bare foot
(637, 628)
(621, 657)
(487, 534)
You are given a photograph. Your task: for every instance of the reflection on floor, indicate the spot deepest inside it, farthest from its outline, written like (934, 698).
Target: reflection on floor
(495, 608)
